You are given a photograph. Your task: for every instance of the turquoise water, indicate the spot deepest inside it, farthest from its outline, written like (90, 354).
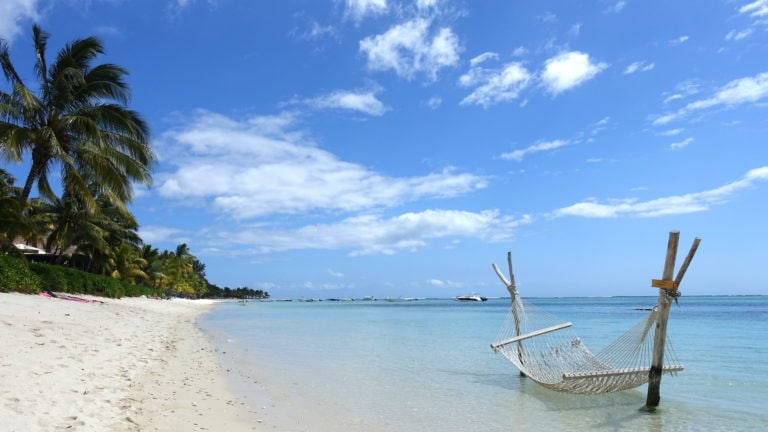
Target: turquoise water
(426, 365)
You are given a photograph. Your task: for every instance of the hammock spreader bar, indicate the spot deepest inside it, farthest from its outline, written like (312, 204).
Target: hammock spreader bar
(557, 327)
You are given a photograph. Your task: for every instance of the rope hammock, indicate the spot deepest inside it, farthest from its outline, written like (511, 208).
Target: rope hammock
(550, 353)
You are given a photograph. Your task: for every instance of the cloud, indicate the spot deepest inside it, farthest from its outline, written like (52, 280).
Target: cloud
(495, 85)
(440, 283)
(262, 166)
(411, 49)
(519, 52)
(373, 234)
(639, 66)
(575, 29)
(312, 30)
(683, 90)
(548, 17)
(176, 7)
(756, 9)
(599, 125)
(434, 102)
(357, 10)
(736, 92)
(671, 132)
(335, 273)
(681, 144)
(156, 234)
(12, 13)
(518, 155)
(678, 41)
(568, 70)
(734, 35)
(617, 7)
(680, 204)
(360, 101)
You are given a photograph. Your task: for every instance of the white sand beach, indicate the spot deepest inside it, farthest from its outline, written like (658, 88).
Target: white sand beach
(121, 365)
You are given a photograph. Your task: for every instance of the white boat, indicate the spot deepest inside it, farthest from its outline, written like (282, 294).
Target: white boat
(471, 297)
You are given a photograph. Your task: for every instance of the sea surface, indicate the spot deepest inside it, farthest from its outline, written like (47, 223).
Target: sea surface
(426, 365)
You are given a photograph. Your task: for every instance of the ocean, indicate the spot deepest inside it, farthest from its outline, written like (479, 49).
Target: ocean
(426, 365)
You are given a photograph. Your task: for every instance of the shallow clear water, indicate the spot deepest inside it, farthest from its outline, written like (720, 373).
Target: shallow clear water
(427, 366)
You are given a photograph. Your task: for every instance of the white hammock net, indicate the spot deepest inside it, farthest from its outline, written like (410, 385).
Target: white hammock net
(548, 351)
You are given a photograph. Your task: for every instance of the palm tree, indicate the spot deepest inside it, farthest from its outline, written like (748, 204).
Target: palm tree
(127, 264)
(77, 122)
(13, 223)
(69, 227)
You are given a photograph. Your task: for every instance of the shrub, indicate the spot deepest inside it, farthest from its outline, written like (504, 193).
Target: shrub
(15, 275)
(69, 280)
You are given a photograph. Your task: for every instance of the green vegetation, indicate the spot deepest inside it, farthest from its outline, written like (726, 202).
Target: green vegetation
(15, 275)
(77, 125)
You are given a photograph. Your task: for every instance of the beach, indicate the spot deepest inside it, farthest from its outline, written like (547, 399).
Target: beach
(133, 364)
(176, 365)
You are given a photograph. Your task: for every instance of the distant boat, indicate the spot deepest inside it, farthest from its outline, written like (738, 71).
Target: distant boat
(471, 297)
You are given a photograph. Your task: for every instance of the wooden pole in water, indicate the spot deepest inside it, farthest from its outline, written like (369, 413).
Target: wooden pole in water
(659, 341)
(512, 288)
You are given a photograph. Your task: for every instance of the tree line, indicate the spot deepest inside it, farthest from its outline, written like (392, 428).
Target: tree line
(85, 149)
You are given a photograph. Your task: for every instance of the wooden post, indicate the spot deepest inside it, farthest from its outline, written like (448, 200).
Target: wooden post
(659, 341)
(512, 288)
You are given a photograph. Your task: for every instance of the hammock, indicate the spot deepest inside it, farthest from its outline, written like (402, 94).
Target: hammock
(548, 351)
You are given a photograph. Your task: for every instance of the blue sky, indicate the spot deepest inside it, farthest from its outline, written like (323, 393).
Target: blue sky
(328, 148)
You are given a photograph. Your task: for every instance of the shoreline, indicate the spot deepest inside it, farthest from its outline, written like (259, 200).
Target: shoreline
(130, 364)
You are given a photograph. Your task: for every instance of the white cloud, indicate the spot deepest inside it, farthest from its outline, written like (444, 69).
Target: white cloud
(335, 273)
(683, 90)
(736, 92)
(411, 49)
(361, 101)
(315, 31)
(681, 144)
(357, 10)
(426, 4)
(734, 35)
(518, 155)
(639, 66)
(12, 14)
(756, 9)
(671, 132)
(440, 283)
(495, 86)
(372, 234)
(176, 7)
(678, 41)
(568, 70)
(575, 29)
(262, 165)
(434, 102)
(483, 58)
(618, 6)
(519, 52)
(679, 204)
(548, 16)
(156, 234)
(599, 125)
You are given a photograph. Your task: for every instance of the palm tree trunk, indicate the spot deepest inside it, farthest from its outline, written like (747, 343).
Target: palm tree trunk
(34, 173)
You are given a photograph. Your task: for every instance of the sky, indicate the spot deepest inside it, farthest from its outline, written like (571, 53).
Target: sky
(347, 148)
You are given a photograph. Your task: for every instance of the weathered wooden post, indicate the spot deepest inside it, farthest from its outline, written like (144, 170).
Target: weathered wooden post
(512, 288)
(666, 287)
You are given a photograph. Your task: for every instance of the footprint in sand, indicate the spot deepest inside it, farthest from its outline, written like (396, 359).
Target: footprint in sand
(70, 423)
